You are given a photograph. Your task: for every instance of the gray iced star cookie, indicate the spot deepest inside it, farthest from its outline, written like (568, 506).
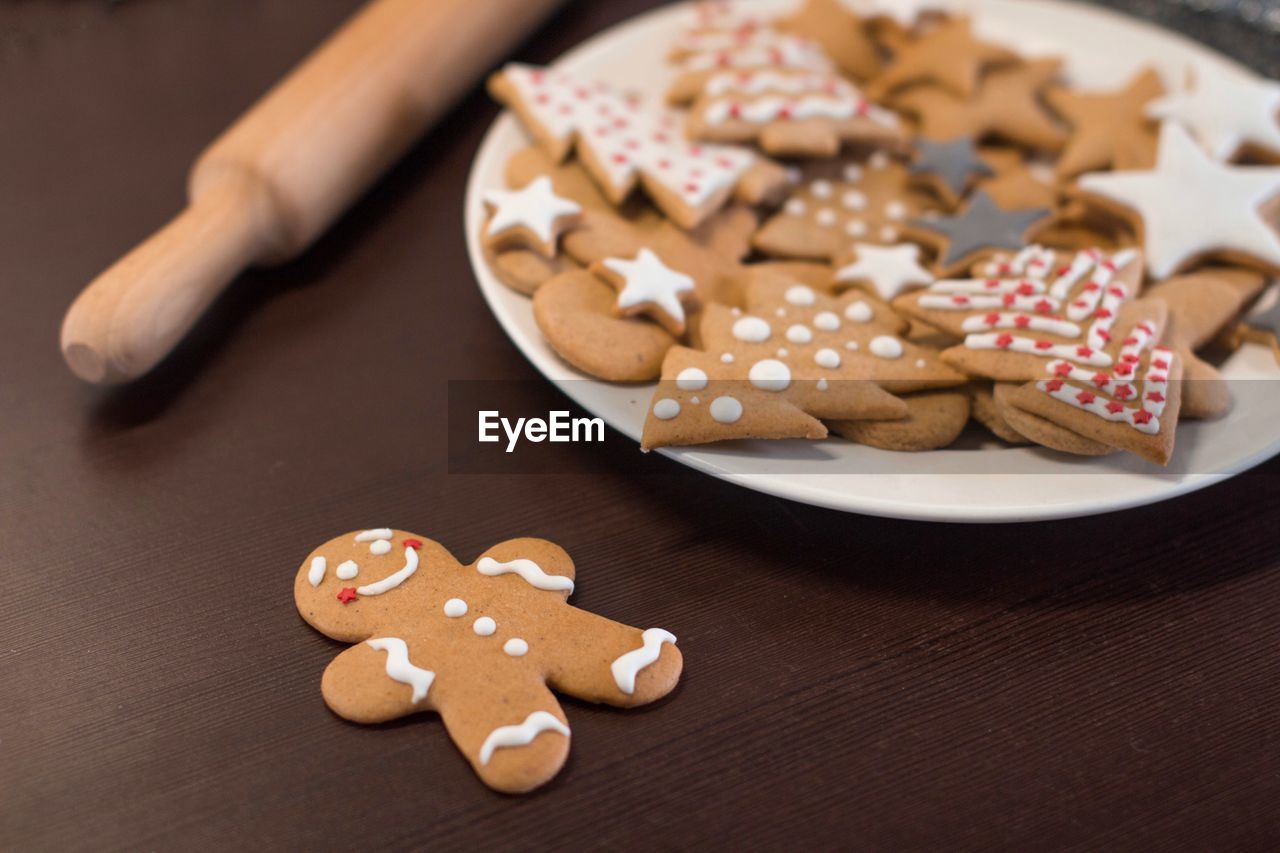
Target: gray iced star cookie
(948, 167)
(980, 229)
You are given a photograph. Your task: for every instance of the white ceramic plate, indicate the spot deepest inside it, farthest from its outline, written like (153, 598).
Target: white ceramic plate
(983, 481)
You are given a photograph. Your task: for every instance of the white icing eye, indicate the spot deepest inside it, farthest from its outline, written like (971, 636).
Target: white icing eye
(826, 321)
(666, 409)
(347, 570)
(379, 547)
(769, 375)
(859, 312)
(515, 647)
(455, 607)
(725, 410)
(752, 330)
(827, 358)
(799, 334)
(884, 346)
(691, 379)
(799, 294)
(484, 626)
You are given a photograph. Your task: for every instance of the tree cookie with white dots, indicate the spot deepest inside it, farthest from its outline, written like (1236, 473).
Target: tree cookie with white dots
(482, 644)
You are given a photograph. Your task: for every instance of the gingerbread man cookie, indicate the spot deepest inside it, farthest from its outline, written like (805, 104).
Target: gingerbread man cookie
(482, 644)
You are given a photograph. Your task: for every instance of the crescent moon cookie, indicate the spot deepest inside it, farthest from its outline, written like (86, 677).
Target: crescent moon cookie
(1189, 206)
(623, 144)
(482, 644)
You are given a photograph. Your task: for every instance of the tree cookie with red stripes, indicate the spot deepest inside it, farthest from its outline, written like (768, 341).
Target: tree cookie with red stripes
(482, 644)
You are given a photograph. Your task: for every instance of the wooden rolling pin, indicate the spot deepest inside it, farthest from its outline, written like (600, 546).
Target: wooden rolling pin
(275, 180)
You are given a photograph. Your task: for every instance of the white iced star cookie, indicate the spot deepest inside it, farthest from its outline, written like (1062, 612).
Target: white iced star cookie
(1226, 113)
(1189, 205)
(646, 285)
(891, 270)
(533, 217)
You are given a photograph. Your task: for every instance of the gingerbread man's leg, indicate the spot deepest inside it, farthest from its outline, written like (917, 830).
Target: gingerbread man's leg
(378, 680)
(605, 661)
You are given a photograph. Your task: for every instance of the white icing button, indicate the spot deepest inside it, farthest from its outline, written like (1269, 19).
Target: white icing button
(800, 294)
(795, 207)
(799, 334)
(820, 188)
(895, 210)
(826, 217)
(695, 400)
(885, 346)
(853, 172)
(752, 330)
(666, 409)
(725, 410)
(770, 375)
(852, 345)
(346, 571)
(515, 647)
(691, 379)
(726, 358)
(380, 546)
(455, 607)
(827, 358)
(826, 321)
(859, 312)
(854, 200)
(822, 384)
(484, 626)
(855, 228)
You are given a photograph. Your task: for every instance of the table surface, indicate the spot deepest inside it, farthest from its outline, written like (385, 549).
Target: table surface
(848, 680)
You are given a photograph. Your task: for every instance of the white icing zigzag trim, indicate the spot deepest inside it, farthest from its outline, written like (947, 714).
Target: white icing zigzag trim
(400, 669)
(316, 573)
(527, 569)
(521, 735)
(393, 581)
(626, 667)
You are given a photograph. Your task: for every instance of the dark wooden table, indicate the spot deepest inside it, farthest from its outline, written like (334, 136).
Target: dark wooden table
(849, 681)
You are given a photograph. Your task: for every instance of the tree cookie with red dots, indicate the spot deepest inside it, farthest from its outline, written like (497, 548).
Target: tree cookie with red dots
(1023, 310)
(482, 644)
(623, 144)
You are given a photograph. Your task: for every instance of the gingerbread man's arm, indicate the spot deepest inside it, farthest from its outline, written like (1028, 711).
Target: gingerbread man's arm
(599, 660)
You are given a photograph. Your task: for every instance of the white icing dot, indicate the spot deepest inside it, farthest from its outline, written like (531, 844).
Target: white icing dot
(769, 375)
(725, 410)
(800, 294)
(852, 345)
(695, 400)
(827, 358)
(895, 210)
(346, 571)
(888, 234)
(455, 607)
(737, 312)
(795, 207)
(820, 188)
(822, 384)
(825, 217)
(920, 362)
(855, 228)
(753, 330)
(666, 409)
(691, 379)
(853, 172)
(859, 312)
(515, 647)
(781, 312)
(484, 626)
(854, 200)
(799, 334)
(827, 321)
(727, 358)
(885, 346)
(380, 546)
(878, 160)
(783, 352)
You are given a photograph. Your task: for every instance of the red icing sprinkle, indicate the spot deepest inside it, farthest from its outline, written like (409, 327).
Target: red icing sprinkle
(1053, 385)
(1115, 408)
(1129, 358)
(1062, 369)
(1101, 379)
(991, 319)
(1104, 334)
(1156, 377)
(1062, 270)
(1160, 363)
(1007, 299)
(992, 283)
(960, 299)
(1118, 292)
(1004, 340)
(1124, 369)
(1108, 265)
(691, 188)
(1022, 321)
(1026, 289)
(784, 113)
(619, 158)
(1091, 287)
(1043, 306)
(735, 110)
(1104, 313)
(415, 544)
(1124, 392)
(1130, 341)
(1044, 344)
(1084, 352)
(1142, 416)
(1155, 396)
(347, 594)
(1086, 397)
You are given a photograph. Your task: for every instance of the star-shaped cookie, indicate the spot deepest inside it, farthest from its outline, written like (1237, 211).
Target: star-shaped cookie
(1109, 129)
(889, 270)
(949, 56)
(532, 217)
(648, 286)
(831, 24)
(980, 229)
(1228, 113)
(1189, 205)
(948, 168)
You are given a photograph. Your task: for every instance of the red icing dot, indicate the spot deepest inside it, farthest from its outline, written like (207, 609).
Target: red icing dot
(960, 299)
(1104, 334)
(1160, 363)
(1084, 352)
(1022, 321)
(784, 113)
(347, 594)
(991, 319)
(735, 110)
(1155, 396)
(1026, 289)
(1043, 306)
(1003, 341)
(1092, 286)
(1101, 379)
(1130, 341)
(1062, 369)
(993, 283)
(1008, 299)
(1109, 265)
(415, 544)
(1157, 378)
(620, 158)
(1044, 344)
(1118, 292)
(1103, 313)
(691, 188)
(1124, 392)
(1086, 397)
(1124, 369)
(1142, 416)
(1115, 408)
(1063, 270)
(1053, 385)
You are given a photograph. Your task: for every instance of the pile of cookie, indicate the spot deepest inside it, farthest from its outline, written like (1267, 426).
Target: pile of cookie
(870, 221)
